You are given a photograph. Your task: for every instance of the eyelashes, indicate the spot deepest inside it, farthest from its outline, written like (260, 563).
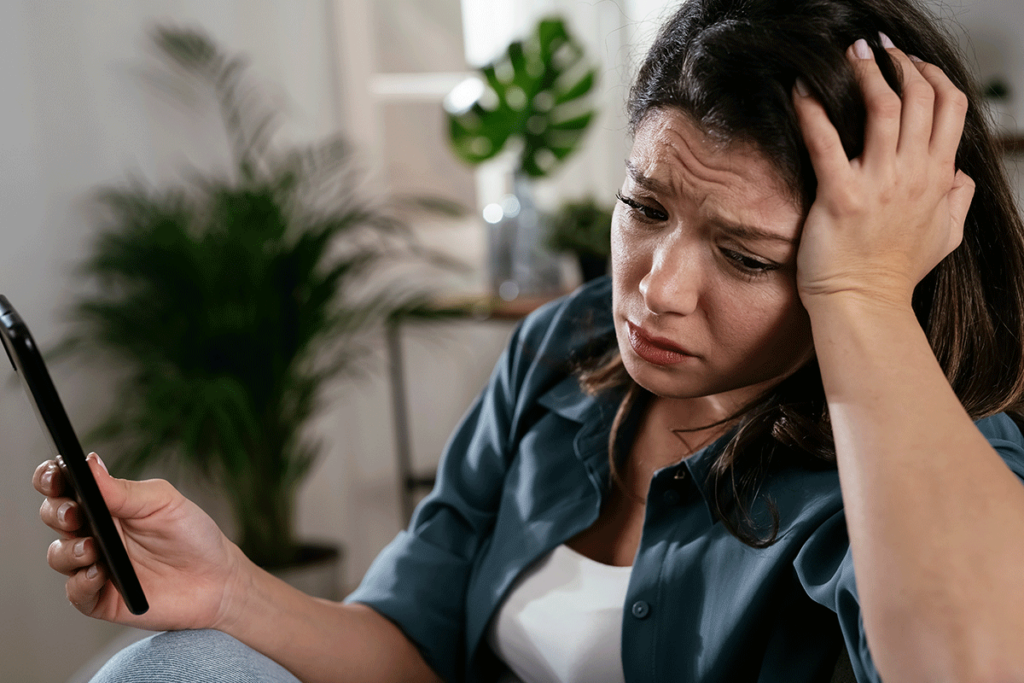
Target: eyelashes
(647, 212)
(749, 263)
(746, 265)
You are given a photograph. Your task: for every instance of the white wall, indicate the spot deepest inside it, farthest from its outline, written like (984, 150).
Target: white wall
(79, 109)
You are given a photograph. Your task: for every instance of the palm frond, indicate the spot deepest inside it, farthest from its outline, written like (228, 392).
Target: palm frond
(231, 302)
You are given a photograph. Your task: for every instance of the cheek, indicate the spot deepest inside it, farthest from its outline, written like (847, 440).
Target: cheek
(630, 257)
(772, 325)
(619, 252)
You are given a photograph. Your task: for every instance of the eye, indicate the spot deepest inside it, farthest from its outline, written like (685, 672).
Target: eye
(748, 264)
(648, 212)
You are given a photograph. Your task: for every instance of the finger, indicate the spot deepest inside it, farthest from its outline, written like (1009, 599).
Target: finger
(950, 113)
(882, 131)
(823, 142)
(67, 556)
(131, 499)
(48, 479)
(959, 204)
(63, 515)
(918, 103)
(85, 586)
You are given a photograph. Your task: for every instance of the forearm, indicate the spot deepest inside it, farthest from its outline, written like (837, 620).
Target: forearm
(319, 640)
(935, 517)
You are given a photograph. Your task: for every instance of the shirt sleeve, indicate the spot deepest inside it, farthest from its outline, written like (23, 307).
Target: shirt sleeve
(419, 580)
(824, 565)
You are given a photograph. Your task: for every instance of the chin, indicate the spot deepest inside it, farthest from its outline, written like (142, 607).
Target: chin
(666, 382)
(693, 382)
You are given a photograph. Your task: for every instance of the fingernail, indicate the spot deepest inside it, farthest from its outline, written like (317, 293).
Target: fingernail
(915, 58)
(48, 478)
(92, 571)
(801, 87)
(62, 511)
(886, 41)
(99, 461)
(79, 548)
(861, 49)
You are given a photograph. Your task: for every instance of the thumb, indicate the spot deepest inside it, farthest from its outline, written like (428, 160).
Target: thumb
(127, 499)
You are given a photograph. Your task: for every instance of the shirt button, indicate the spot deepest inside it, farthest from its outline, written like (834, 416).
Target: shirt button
(671, 497)
(641, 609)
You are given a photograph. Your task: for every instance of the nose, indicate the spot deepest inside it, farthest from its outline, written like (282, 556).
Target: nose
(673, 282)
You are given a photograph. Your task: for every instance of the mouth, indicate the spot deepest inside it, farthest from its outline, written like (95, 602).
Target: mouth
(656, 350)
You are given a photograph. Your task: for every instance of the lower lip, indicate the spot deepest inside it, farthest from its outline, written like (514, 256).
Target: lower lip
(651, 353)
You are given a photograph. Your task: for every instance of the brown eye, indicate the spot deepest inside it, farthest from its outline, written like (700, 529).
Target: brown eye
(748, 263)
(648, 212)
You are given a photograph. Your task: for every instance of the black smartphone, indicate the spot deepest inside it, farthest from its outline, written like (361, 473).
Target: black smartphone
(28, 364)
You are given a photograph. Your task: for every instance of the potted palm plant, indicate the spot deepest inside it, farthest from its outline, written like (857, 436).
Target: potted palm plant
(230, 300)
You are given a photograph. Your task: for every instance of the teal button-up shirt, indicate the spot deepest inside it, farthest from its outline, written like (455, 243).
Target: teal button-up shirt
(527, 469)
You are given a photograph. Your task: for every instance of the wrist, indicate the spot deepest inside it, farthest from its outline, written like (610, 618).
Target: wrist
(858, 304)
(237, 591)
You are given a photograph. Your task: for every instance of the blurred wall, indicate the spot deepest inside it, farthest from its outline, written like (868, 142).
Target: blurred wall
(83, 104)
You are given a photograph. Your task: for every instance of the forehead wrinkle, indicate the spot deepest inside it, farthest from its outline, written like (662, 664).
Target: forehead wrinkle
(738, 169)
(702, 166)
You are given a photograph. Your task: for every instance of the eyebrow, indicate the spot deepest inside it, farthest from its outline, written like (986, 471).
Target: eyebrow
(740, 230)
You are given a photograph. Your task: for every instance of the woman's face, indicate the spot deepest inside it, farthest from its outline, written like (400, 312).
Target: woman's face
(704, 243)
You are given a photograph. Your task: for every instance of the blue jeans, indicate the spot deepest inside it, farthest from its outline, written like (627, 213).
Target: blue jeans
(191, 657)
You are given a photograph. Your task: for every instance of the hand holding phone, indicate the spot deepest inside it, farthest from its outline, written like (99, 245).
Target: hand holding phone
(189, 568)
(28, 363)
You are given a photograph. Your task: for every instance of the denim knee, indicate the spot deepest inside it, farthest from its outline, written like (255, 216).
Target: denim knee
(191, 657)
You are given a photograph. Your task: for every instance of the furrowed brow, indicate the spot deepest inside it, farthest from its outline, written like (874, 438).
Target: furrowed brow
(643, 181)
(754, 233)
(739, 230)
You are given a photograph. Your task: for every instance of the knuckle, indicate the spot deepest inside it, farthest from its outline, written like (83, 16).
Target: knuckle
(958, 99)
(920, 92)
(847, 200)
(886, 105)
(931, 71)
(164, 488)
(830, 146)
(887, 193)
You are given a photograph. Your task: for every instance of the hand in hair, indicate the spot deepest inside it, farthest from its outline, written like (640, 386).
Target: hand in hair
(882, 221)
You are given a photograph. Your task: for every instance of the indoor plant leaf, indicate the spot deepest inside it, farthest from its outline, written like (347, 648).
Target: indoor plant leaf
(539, 86)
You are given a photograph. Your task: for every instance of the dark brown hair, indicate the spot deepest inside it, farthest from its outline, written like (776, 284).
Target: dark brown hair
(730, 66)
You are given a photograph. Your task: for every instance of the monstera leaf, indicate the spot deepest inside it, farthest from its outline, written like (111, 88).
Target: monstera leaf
(537, 92)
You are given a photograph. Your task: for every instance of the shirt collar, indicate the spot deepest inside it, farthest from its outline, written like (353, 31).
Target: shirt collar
(595, 414)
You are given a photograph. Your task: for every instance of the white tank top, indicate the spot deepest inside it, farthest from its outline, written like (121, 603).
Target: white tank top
(562, 621)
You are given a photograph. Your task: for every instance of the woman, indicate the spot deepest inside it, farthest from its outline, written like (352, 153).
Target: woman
(802, 369)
